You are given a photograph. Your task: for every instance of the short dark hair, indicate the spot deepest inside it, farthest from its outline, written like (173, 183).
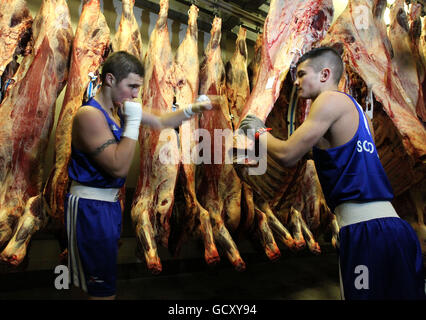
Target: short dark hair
(324, 57)
(121, 64)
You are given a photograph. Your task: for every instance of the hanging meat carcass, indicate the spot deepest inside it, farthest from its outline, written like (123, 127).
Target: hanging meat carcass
(291, 28)
(404, 58)
(219, 188)
(305, 212)
(238, 91)
(400, 136)
(90, 46)
(160, 155)
(253, 67)
(316, 213)
(414, 200)
(237, 82)
(128, 37)
(195, 219)
(15, 30)
(303, 203)
(27, 115)
(415, 31)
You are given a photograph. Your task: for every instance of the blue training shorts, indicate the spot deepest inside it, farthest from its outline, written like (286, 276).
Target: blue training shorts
(381, 259)
(93, 231)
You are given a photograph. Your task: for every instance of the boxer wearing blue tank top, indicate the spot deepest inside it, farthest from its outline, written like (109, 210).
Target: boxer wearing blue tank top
(104, 135)
(379, 253)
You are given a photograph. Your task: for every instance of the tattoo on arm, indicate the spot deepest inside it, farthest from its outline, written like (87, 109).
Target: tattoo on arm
(102, 147)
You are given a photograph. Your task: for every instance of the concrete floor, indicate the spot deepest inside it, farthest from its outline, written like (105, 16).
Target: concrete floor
(295, 276)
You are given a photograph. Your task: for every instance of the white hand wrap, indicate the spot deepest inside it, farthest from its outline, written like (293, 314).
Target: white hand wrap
(132, 114)
(188, 111)
(202, 98)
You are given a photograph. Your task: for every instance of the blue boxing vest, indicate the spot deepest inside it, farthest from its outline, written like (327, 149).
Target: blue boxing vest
(84, 170)
(352, 171)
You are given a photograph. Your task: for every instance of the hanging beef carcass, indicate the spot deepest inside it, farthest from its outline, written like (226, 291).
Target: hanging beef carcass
(15, 33)
(128, 38)
(291, 28)
(15, 30)
(90, 46)
(27, 115)
(160, 155)
(253, 67)
(303, 203)
(305, 212)
(404, 58)
(219, 188)
(238, 91)
(400, 136)
(237, 82)
(316, 213)
(415, 31)
(418, 46)
(195, 219)
(414, 200)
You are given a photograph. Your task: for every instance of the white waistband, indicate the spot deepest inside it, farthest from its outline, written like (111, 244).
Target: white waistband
(352, 212)
(102, 194)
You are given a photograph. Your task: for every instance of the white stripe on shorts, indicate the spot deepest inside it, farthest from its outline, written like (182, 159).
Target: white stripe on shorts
(74, 263)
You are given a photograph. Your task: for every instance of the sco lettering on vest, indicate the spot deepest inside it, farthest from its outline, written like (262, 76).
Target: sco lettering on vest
(364, 146)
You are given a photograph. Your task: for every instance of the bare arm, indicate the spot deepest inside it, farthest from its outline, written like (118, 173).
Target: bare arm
(175, 119)
(92, 135)
(322, 115)
(168, 120)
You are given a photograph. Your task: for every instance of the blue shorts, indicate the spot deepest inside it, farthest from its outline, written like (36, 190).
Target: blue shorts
(93, 230)
(381, 259)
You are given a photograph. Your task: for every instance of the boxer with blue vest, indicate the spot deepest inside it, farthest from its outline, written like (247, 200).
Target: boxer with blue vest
(379, 253)
(104, 134)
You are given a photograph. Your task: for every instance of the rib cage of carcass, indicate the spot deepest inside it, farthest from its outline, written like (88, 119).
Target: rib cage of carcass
(27, 115)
